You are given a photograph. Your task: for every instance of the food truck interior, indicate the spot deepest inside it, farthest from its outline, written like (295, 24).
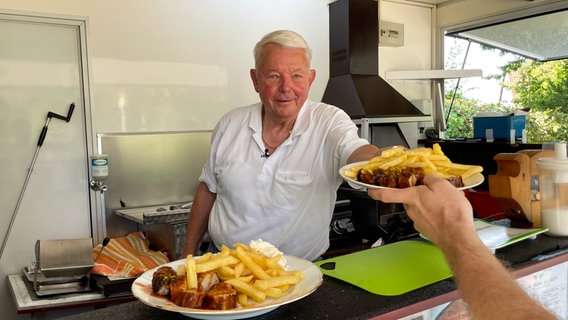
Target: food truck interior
(148, 82)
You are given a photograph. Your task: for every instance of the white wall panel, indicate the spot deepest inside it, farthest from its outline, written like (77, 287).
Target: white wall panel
(181, 64)
(415, 54)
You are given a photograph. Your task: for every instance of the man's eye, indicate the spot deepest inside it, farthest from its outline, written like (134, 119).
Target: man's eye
(297, 76)
(273, 76)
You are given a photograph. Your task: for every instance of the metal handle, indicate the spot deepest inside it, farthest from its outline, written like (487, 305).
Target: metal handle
(104, 244)
(57, 116)
(42, 136)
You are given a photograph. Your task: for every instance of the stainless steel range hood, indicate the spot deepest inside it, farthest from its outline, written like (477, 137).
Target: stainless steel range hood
(354, 83)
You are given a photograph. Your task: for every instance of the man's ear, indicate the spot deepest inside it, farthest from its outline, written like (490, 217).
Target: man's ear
(312, 76)
(254, 79)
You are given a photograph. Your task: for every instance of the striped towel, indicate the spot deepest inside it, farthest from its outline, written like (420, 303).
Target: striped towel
(127, 257)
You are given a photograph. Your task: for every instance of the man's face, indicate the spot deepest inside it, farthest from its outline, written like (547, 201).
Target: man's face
(283, 80)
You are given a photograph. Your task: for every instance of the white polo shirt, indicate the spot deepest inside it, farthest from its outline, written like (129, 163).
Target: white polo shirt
(288, 198)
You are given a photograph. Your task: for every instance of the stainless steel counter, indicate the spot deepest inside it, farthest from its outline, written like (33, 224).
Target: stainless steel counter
(27, 302)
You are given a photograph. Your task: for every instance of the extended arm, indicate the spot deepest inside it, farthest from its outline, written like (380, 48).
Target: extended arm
(198, 218)
(363, 153)
(444, 215)
(488, 288)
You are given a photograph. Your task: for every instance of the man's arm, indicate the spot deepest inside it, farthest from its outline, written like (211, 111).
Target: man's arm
(364, 153)
(444, 215)
(488, 288)
(198, 218)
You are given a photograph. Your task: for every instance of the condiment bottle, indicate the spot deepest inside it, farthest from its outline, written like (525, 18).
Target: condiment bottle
(553, 185)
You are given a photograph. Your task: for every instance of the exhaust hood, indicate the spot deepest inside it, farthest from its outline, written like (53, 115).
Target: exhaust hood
(354, 83)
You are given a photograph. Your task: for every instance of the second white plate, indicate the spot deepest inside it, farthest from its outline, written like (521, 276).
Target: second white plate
(313, 277)
(470, 182)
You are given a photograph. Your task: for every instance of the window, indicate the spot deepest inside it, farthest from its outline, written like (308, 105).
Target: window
(535, 43)
(542, 37)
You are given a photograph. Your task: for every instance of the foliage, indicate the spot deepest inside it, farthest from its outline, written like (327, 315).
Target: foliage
(460, 119)
(542, 87)
(547, 126)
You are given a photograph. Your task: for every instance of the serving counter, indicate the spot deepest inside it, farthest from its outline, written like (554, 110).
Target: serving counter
(540, 265)
(27, 301)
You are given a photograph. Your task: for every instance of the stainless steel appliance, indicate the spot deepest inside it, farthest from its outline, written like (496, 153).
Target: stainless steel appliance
(150, 169)
(389, 218)
(359, 222)
(61, 266)
(164, 225)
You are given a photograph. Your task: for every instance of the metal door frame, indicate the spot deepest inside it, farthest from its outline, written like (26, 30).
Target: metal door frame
(82, 25)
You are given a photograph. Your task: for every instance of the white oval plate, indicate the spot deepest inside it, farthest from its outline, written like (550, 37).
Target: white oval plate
(470, 182)
(313, 277)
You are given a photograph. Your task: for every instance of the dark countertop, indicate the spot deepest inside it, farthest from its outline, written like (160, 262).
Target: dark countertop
(336, 299)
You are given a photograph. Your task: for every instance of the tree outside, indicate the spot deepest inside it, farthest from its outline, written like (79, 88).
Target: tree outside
(541, 87)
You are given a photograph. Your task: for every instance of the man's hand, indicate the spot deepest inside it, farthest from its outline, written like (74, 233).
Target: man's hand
(437, 208)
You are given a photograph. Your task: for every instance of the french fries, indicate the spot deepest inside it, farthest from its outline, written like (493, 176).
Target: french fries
(254, 267)
(251, 274)
(432, 160)
(216, 262)
(248, 289)
(278, 281)
(191, 273)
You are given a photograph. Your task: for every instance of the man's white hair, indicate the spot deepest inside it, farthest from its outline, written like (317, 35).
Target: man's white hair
(285, 39)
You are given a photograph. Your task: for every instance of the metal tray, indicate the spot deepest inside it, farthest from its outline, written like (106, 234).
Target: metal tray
(175, 213)
(31, 275)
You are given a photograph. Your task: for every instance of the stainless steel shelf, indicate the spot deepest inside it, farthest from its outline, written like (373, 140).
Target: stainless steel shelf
(396, 119)
(365, 123)
(156, 214)
(432, 74)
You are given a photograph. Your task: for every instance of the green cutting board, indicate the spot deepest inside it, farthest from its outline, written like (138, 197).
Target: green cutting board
(390, 270)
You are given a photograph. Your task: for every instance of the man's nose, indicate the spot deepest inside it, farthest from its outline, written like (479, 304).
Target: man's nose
(285, 83)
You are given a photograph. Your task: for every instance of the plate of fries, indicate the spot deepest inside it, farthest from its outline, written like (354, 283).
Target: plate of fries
(431, 160)
(240, 267)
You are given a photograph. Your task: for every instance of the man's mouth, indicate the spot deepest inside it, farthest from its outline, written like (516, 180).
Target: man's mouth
(285, 100)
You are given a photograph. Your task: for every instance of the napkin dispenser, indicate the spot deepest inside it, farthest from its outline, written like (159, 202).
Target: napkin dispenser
(515, 186)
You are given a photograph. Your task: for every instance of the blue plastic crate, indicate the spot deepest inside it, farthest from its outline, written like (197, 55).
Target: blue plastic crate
(501, 126)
